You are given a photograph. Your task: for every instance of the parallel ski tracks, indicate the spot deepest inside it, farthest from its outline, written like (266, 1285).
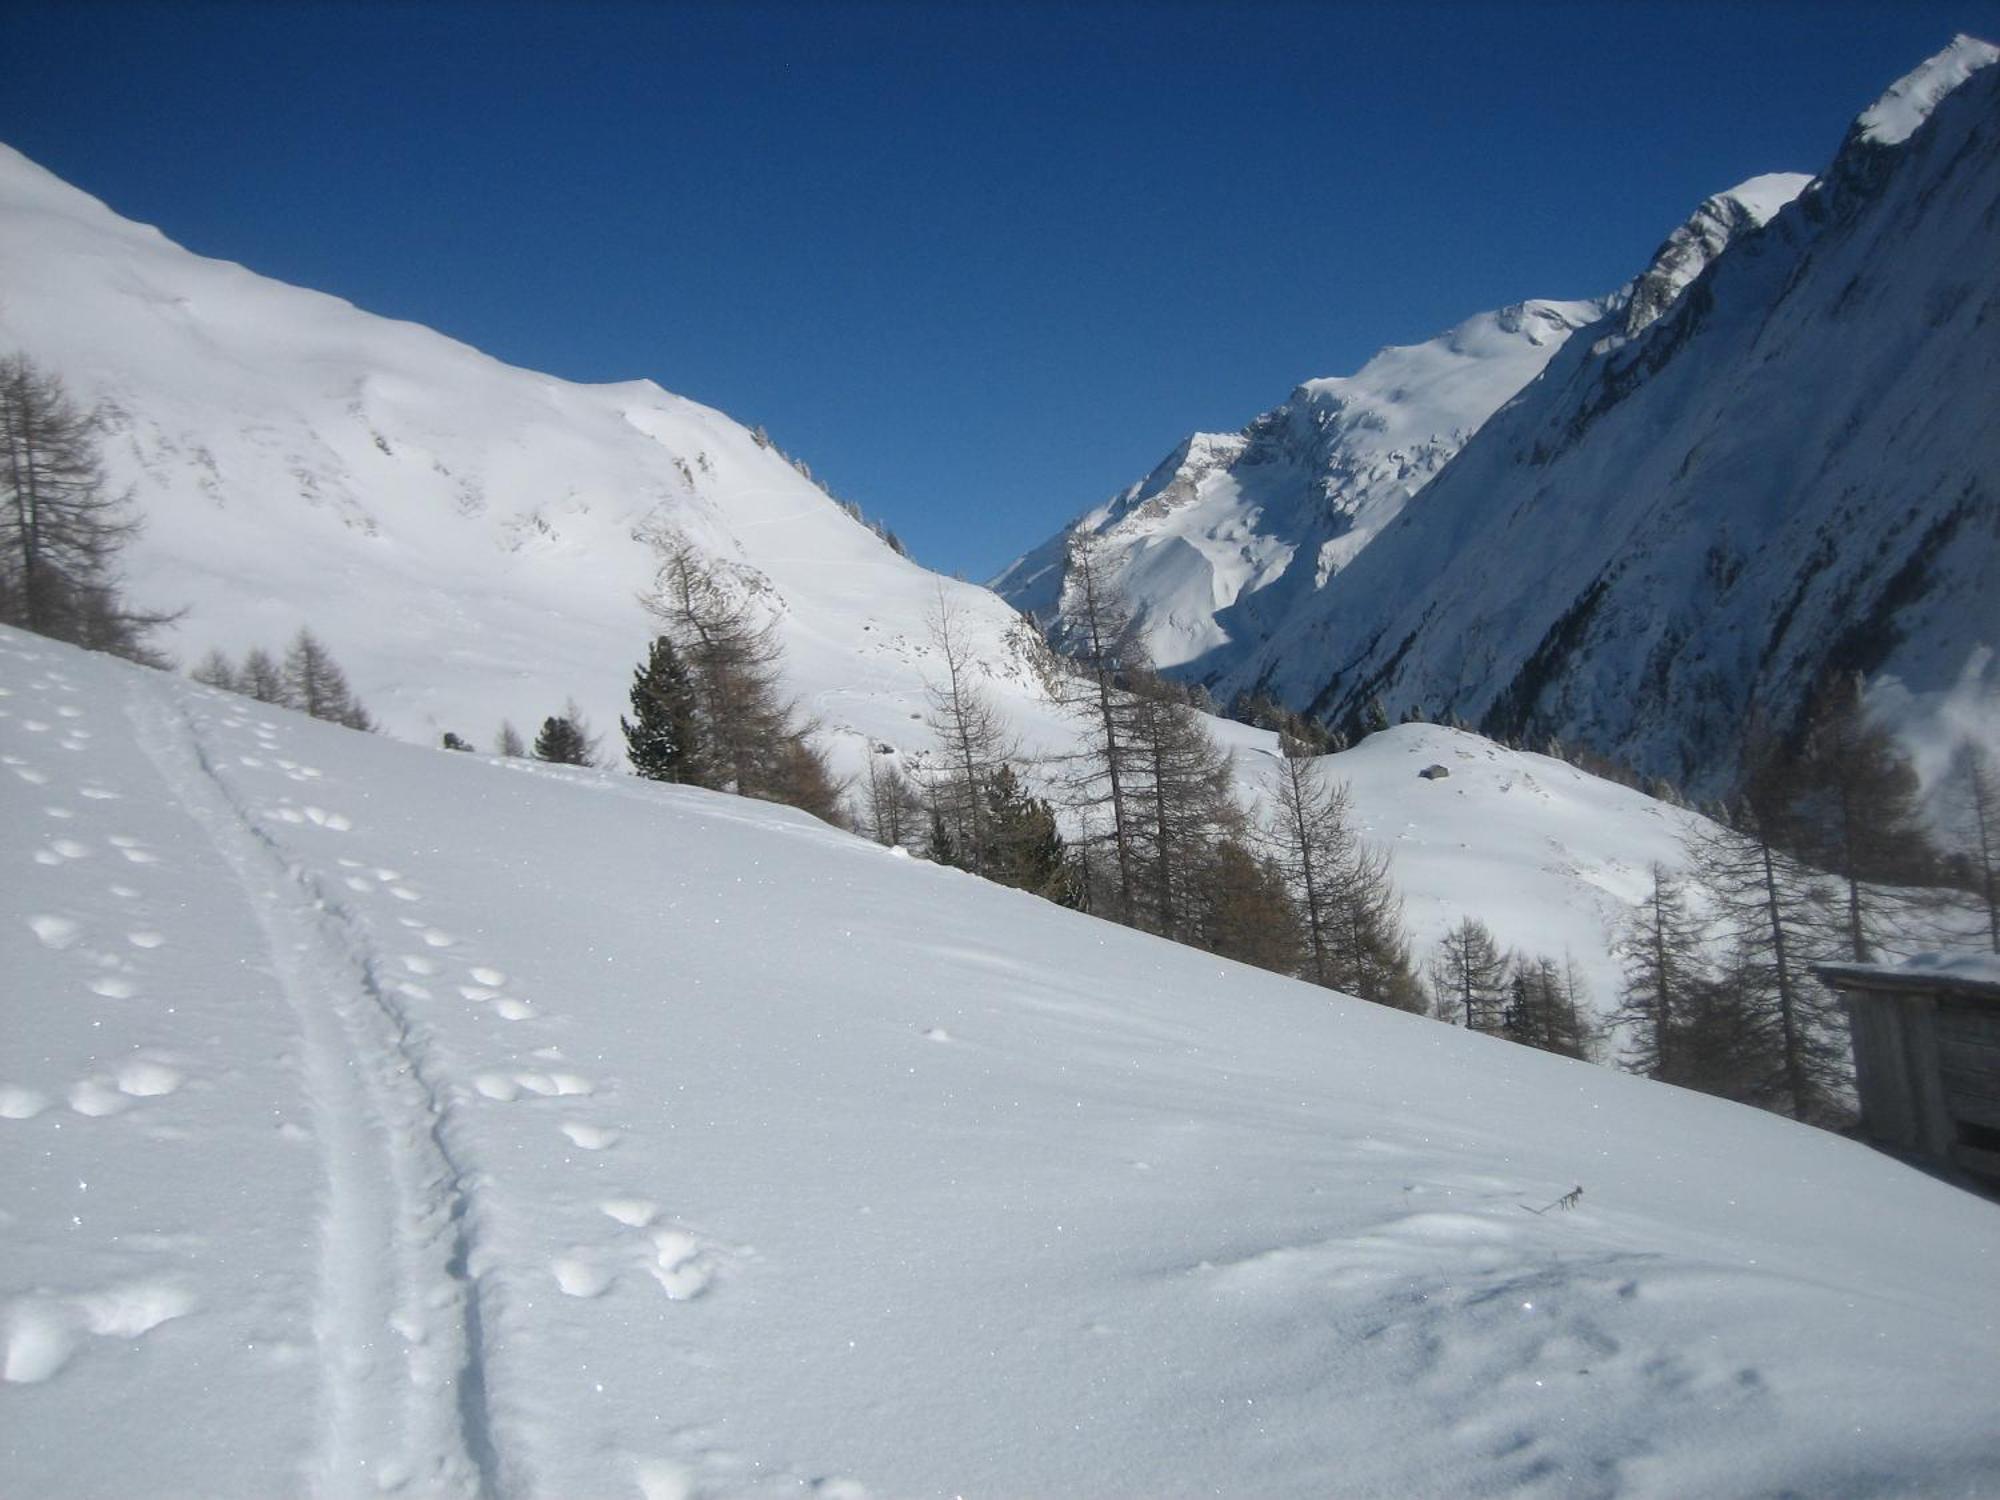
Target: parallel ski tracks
(398, 1324)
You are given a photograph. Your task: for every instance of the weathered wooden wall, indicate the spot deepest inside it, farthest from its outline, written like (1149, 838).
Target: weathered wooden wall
(1926, 1064)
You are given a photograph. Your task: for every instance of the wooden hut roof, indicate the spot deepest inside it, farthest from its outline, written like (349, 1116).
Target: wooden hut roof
(1973, 975)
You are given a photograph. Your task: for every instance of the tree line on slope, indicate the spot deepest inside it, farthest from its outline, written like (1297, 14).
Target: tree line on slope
(1157, 839)
(1827, 856)
(307, 679)
(1823, 854)
(708, 707)
(1158, 842)
(1528, 998)
(1817, 861)
(1166, 847)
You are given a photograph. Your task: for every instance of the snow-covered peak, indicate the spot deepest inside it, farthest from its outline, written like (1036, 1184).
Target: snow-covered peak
(1693, 247)
(1453, 382)
(1895, 117)
(1230, 525)
(1173, 482)
(1231, 538)
(1762, 196)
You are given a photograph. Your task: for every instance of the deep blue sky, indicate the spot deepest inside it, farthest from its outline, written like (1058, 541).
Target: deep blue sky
(979, 265)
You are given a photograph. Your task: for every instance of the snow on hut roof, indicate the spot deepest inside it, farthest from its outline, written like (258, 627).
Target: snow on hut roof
(1961, 971)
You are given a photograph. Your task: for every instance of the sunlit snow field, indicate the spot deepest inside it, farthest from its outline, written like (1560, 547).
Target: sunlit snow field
(378, 1119)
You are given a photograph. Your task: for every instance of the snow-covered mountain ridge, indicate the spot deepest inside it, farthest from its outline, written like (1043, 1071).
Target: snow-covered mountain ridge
(1770, 457)
(644, 1142)
(1231, 531)
(1794, 471)
(1230, 538)
(1693, 247)
(467, 537)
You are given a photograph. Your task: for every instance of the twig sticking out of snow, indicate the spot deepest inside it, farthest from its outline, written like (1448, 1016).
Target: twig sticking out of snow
(1566, 1202)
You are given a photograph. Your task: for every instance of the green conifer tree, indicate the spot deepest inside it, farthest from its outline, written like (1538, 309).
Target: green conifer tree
(562, 743)
(1025, 849)
(663, 738)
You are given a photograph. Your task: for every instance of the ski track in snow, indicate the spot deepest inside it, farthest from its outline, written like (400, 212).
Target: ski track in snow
(400, 1323)
(399, 1320)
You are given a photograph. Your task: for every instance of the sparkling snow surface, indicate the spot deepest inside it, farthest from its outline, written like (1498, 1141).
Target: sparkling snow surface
(382, 1120)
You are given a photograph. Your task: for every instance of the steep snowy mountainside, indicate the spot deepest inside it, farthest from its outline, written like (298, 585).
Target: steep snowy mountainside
(1665, 542)
(380, 1120)
(465, 536)
(1228, 542)
(1223, 539)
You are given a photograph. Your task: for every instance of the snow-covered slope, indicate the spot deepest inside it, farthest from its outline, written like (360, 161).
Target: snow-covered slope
(1229, 542)
(1552, 859)
(465, 536)
(1795, 469)
(380, 1120)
